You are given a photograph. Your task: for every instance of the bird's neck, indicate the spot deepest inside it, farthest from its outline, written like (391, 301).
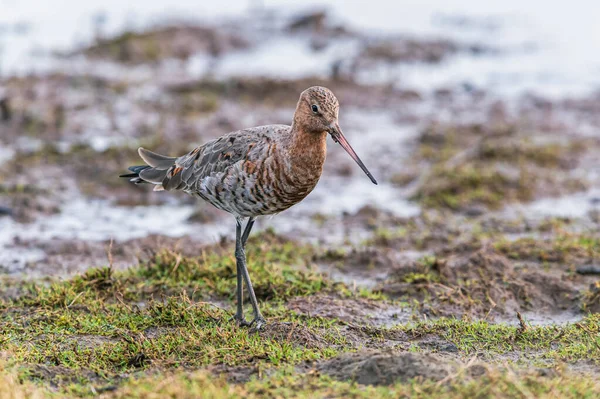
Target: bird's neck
(307, 151)
(309, 145)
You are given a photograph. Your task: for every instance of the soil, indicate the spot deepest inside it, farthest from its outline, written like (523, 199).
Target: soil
(294, 333)
(386, 367)
(355, 311)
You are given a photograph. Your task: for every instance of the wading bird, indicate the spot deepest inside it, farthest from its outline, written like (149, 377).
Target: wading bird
(254, 172)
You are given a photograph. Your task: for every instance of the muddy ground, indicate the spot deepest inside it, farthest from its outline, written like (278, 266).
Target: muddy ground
(471, 271)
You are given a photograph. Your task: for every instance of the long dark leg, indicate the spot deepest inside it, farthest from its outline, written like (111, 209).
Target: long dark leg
(247, 230)
(240, 256)
(239, 314)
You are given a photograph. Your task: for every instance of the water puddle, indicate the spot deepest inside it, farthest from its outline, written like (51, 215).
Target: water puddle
(97, 220)
(6, 154)
(534, 318)
(539, 52)
(575, 206)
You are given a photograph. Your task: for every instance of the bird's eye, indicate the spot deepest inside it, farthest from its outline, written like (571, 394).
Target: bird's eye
(315, 108)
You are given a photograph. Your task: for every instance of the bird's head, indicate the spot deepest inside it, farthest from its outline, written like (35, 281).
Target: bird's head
(317, 113)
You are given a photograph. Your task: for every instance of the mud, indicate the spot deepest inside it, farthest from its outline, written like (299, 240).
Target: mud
(57, 376)
(386, 367)
(482, 282)
(235, 375)
(294, 333)
(56, 257)
(350, 310)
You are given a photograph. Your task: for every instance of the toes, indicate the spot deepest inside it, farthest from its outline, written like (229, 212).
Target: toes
(258, 323)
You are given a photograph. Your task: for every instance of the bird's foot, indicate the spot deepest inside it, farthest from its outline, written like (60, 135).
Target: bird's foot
(258, 322)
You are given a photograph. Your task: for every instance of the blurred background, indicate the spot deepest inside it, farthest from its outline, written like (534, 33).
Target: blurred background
(461, 109)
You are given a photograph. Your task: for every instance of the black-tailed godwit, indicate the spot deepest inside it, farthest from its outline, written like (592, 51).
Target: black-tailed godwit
(254, 172)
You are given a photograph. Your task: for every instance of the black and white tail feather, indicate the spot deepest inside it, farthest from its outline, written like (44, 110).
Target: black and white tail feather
(155, 172)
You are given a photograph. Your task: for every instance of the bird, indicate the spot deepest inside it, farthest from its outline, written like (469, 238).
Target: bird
(254, 172)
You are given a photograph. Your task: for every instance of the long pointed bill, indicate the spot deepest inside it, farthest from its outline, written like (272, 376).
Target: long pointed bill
(338, 137)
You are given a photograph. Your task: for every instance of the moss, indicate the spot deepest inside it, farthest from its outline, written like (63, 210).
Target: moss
(570, 248)
(473, 165)
(157, 44)
(471, 184)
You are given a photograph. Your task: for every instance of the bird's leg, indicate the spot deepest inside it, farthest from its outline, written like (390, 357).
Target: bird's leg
(247, 230)
(240, 255)
(239, 314)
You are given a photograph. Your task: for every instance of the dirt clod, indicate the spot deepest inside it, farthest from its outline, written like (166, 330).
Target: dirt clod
(481, 281)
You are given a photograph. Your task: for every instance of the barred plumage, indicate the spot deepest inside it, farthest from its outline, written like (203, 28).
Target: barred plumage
(254, 172)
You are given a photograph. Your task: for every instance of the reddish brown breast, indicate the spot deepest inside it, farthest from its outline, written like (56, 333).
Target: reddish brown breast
(307, 155)
(295, 168)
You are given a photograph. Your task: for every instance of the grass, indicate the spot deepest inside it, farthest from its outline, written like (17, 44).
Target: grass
(591, 298)
(154, 331)
(100, 325)
(279, 270)
(493, 384)
(569, 342)
(473, 382)
(112, 340)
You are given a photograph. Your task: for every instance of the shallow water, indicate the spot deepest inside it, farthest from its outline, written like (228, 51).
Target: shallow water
(550, 47)
(6, 154)
(92, 220)
(577, 205)
(535, 318)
